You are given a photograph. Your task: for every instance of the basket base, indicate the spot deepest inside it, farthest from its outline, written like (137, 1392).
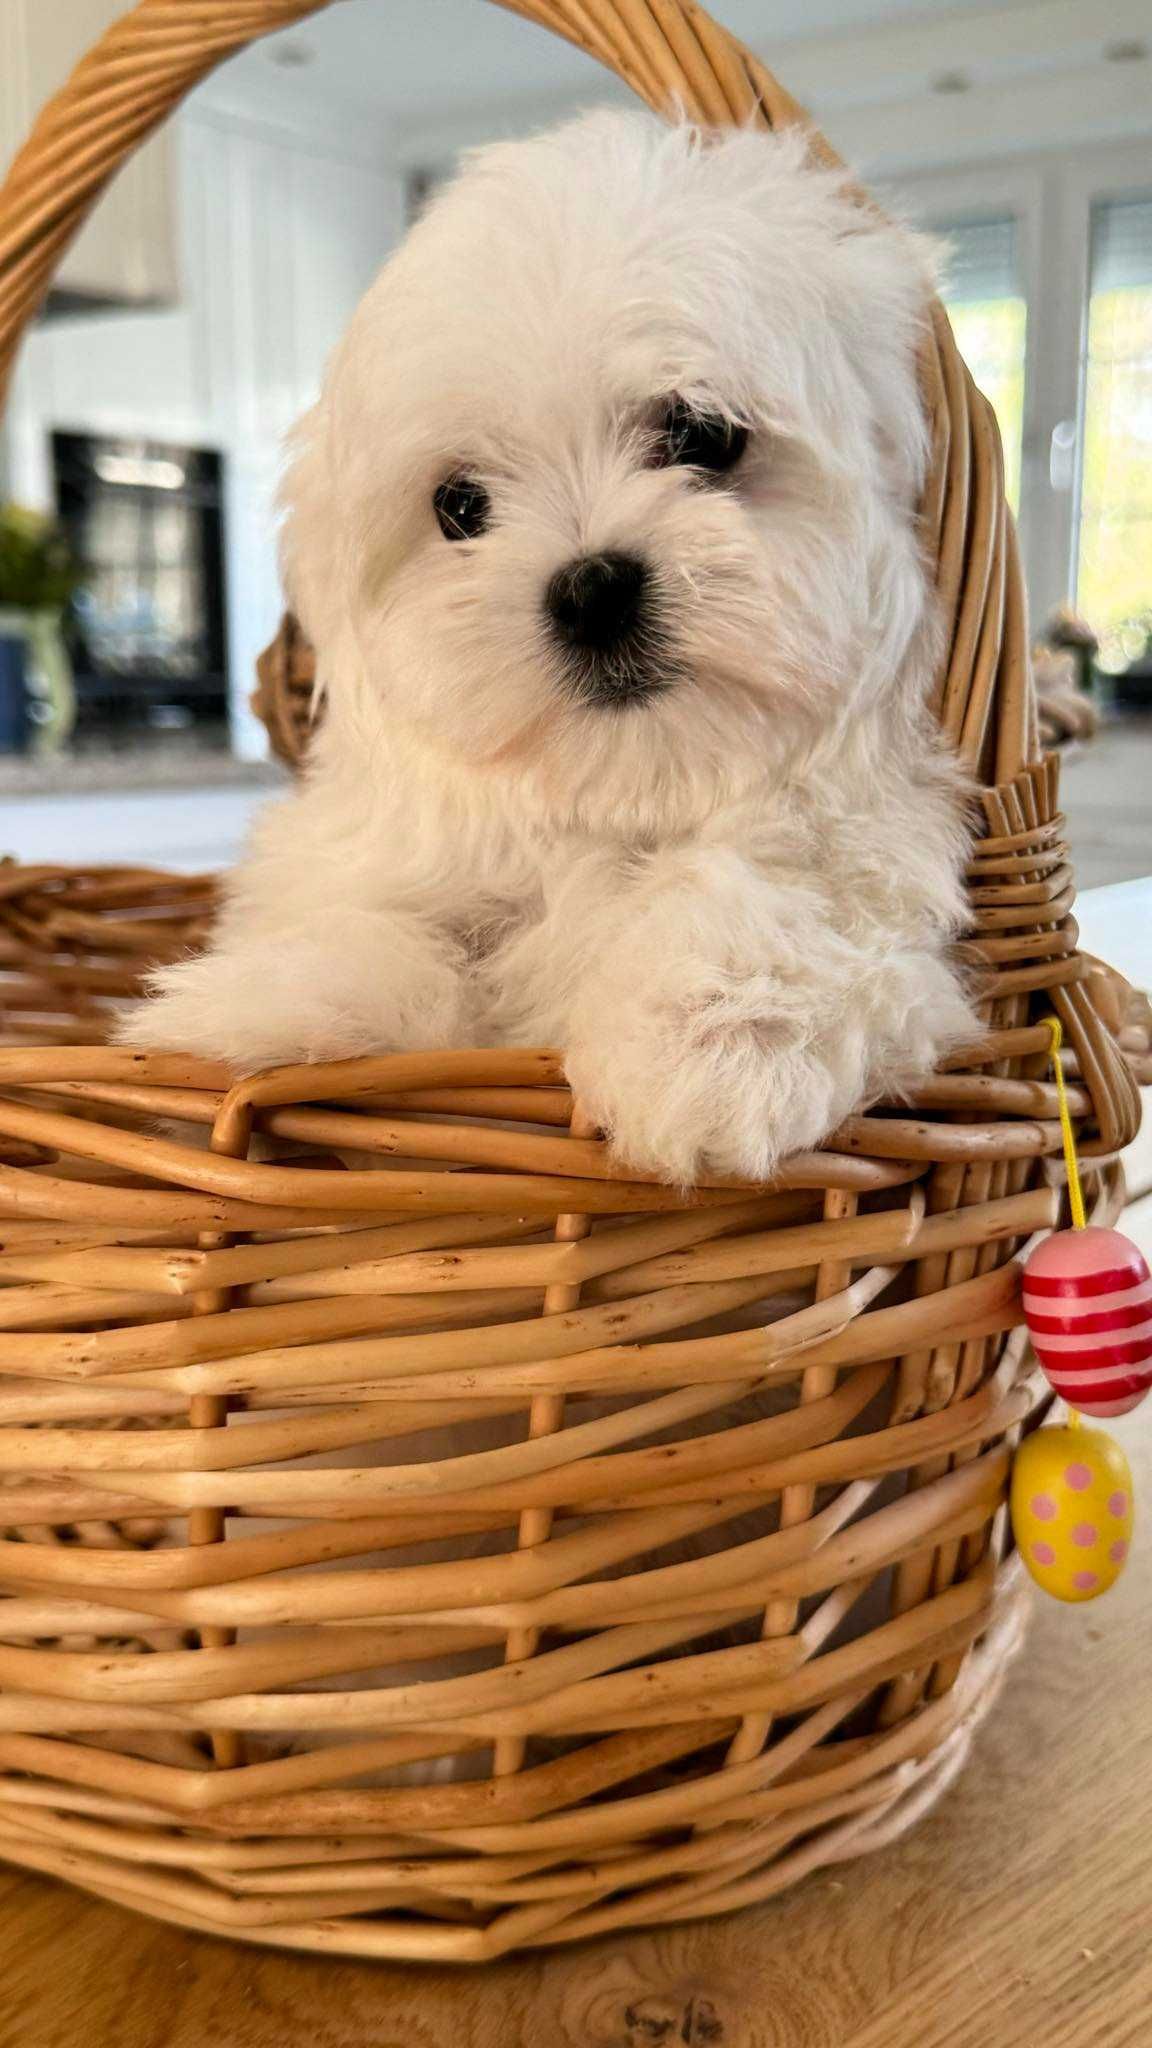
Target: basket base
(265, 1888)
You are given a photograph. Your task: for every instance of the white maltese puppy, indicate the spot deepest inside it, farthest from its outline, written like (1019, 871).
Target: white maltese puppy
(605, 532)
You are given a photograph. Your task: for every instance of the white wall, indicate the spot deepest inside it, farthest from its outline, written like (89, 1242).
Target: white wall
(281, 231)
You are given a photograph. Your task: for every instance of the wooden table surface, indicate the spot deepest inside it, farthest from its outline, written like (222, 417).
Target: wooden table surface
(1018, 1915)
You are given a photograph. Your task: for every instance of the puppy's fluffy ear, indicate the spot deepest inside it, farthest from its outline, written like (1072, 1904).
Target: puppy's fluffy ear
(888, 275)
(822, 301)
(309, 531)
(857, 283)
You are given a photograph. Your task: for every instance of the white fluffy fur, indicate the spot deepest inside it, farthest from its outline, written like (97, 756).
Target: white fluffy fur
(729, 905)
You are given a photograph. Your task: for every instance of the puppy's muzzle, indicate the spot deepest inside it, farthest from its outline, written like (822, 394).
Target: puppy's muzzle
(601, 610)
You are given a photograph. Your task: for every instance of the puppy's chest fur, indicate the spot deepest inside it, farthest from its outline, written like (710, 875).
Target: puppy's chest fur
(514, 877)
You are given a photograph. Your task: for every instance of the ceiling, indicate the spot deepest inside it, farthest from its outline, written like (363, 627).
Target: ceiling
(895, 83)
(414, 59)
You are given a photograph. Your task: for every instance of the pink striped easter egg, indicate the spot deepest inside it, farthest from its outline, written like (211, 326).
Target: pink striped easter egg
(1088, 1306)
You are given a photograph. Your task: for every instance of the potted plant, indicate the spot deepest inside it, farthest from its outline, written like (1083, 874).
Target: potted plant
(37, 577)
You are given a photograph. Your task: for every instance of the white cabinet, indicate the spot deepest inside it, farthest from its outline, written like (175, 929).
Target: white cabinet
(126, 252)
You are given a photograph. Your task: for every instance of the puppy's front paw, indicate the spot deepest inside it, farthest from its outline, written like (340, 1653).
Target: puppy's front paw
(734, 1080)
(220, 1007)
(325, 994)
(703, 1094)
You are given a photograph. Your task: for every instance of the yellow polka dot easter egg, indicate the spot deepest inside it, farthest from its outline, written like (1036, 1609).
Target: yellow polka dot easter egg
(1072, 1510)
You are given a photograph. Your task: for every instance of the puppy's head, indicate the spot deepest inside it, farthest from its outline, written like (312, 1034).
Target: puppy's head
(611, 489)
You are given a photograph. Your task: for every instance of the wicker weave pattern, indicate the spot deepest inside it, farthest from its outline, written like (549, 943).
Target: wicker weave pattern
(717, 1541)
(284, 698)
(432, 1313)
(75, 943)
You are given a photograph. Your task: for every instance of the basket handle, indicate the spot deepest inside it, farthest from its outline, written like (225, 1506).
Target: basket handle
(668, 51)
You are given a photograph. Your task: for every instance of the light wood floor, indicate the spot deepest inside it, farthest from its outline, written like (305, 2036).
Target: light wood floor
(1019, 1915)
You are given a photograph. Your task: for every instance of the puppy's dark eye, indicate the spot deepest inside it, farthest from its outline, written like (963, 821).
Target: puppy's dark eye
(698, 440)
(462, 507)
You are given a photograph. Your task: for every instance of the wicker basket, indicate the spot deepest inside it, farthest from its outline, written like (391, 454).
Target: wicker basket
(715, 1555)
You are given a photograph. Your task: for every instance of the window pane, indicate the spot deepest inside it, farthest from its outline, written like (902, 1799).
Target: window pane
(989, 318)
(1114, 552)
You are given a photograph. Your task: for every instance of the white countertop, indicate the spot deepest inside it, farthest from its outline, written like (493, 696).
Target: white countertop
(1116, 924)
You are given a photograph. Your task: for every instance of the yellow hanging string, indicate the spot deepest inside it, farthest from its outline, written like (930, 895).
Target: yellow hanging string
(1072, 1164)
(1075, 1191)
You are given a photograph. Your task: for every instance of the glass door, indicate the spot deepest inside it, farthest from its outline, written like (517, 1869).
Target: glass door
(1112, 539)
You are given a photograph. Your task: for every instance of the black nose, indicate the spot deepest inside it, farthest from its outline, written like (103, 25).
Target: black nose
(595, 601)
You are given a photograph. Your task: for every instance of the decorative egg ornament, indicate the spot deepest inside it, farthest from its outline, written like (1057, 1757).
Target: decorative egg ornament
(1088, 1296)
(1088, 1307)
(1072, 1511)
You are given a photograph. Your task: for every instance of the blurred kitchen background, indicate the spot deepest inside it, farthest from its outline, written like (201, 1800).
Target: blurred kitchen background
(190, 323)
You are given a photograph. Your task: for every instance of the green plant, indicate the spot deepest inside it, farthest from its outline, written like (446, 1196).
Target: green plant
(37, 570)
